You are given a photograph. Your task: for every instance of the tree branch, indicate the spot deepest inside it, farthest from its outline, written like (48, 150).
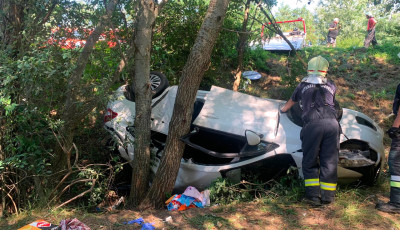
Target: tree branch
(51, 9)
(80, 195)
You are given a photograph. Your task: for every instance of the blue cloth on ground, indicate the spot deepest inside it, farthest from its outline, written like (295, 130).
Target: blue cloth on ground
(147, 226)
(138, 221)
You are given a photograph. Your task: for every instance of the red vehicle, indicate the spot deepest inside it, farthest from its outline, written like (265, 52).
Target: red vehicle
(74, 38)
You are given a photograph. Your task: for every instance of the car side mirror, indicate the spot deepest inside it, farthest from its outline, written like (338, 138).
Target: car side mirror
(252, 137)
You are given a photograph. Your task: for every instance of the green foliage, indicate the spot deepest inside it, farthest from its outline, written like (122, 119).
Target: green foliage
(223, 191)
(28, 134)
(388, 50)
(343, 41)
(256, 59)
(291, 186)
(178, 25)
(32, 103)
(351, 17)
(389, 28)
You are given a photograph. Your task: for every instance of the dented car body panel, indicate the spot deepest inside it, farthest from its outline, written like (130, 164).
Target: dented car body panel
(216, 145)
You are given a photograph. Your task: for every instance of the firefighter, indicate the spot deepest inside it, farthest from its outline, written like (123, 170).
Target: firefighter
(393, 206)
(320, 132)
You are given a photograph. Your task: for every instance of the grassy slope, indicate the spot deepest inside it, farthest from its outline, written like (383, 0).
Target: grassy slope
(366, 81)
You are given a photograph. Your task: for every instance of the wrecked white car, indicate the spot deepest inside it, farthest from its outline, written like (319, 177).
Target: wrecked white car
(234, 133)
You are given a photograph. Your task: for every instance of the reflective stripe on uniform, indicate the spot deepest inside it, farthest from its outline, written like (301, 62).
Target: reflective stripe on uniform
(395, 178)
(328, 186)
(311, 182)
(395, 184)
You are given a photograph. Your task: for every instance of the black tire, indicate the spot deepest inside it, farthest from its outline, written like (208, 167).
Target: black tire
(159, 83)
(371, 175)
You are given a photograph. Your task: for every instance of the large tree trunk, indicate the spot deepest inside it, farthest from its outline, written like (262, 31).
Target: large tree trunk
(11, 26)
(2, 157)
(141, 164)
(241, 47)
(196, 65)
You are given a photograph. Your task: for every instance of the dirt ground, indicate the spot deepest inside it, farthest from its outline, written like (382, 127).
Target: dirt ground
(259, 214)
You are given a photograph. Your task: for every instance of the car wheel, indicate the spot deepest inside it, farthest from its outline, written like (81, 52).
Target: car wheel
(158, 81)
(371, 176)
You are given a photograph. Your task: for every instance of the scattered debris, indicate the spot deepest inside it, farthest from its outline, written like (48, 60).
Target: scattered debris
(73, 224)
(168, 219)
(135, 221)
(111, 202)
(190, 198)
(354, 158)
(251, 75)
(40, 224)
(140, 221)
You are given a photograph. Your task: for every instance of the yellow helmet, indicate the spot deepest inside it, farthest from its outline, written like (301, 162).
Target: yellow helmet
(318, 66)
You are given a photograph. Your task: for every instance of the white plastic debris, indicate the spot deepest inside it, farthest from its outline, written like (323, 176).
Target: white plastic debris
(168, 219)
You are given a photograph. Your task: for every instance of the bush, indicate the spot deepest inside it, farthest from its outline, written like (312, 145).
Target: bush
(223, 191)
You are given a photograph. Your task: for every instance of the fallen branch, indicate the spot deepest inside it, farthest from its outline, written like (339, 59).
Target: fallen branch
(78, 196)
(12, 200)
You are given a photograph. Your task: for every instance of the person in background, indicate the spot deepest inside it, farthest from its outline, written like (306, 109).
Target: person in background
(393, 206)
(370, 38)
(320, 132)
(333, 32)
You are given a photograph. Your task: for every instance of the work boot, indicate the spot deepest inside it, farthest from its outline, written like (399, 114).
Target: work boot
(327, 197)
(326, 202)
(388, 207)
(313, 201)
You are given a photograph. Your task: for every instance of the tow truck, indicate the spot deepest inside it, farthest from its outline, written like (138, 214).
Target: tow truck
(296, 36)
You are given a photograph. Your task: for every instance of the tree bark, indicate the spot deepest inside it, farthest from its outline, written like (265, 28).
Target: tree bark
(11, 26)
(2, 157)
(141, 163)
(241, 47)
(197, 63)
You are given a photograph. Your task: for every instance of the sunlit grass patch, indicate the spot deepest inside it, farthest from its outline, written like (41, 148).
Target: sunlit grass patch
(353, 205)
(209, 222)
(383, 56)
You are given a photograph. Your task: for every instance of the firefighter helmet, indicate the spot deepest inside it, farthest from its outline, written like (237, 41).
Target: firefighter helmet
(317, 69)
